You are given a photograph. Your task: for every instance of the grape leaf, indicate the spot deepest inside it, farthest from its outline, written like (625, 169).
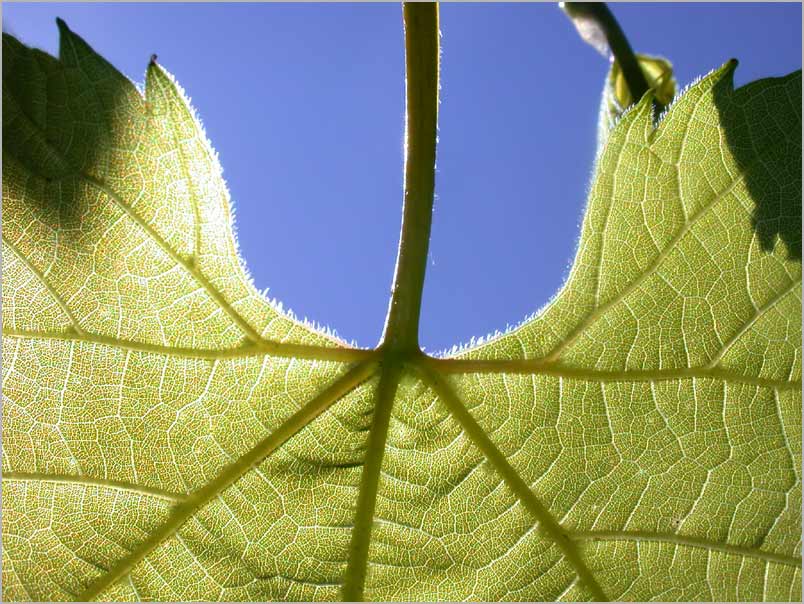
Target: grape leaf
(169, 434)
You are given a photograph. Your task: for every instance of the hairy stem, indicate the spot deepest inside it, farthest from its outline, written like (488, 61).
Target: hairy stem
(401, 332)
(599, 14)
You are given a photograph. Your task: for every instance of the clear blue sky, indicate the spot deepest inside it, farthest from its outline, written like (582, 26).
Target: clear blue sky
(304, 104)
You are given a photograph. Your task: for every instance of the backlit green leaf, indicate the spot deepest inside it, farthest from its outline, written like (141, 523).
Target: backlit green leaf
(169, 434)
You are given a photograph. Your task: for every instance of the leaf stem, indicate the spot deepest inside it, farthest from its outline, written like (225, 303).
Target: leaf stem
(401, 333)
(599, 14)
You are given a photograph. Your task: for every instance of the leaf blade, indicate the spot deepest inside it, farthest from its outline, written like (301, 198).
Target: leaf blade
(651, 414)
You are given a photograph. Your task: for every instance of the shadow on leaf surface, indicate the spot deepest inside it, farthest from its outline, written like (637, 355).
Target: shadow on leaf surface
(768, 152)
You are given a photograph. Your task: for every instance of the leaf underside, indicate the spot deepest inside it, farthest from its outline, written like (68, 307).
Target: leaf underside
(168, 434)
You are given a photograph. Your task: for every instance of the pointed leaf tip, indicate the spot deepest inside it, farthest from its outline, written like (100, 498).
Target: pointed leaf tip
(725, 73)
(64, 30)
(729, 66)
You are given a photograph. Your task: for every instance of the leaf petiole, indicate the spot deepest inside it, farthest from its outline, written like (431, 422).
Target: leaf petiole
(594, 20)
(401, 333)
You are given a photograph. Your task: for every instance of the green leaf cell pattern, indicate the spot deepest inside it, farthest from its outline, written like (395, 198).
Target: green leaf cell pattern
(169, 434)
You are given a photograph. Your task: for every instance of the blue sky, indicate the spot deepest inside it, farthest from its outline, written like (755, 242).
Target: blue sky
(305, 105)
